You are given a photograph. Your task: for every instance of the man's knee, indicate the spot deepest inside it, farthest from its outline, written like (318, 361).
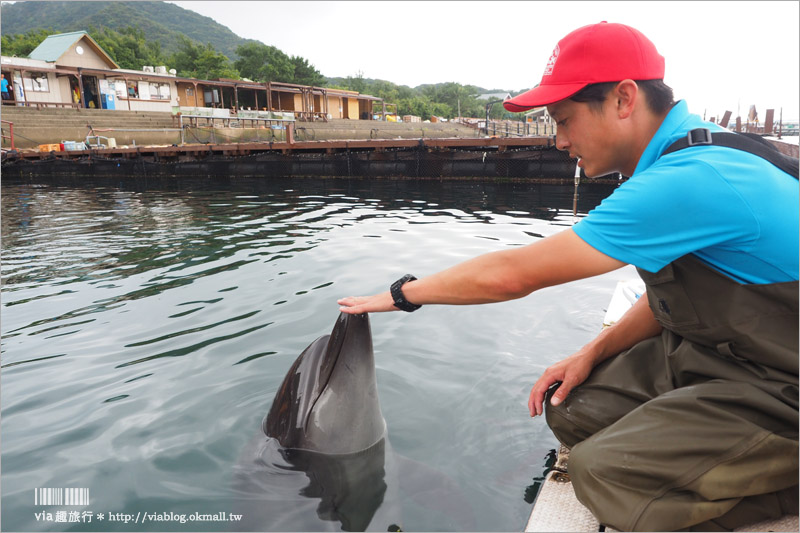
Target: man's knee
(582, 414)
(562, 423)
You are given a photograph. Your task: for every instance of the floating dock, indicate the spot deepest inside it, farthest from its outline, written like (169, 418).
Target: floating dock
(526, 159)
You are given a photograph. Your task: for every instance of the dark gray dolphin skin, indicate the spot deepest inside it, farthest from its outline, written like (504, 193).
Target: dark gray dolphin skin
(328, 401)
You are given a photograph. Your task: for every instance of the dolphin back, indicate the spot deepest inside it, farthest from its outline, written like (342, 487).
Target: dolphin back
(328, 401)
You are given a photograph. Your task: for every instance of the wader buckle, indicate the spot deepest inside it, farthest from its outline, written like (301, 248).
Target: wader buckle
(699, 136)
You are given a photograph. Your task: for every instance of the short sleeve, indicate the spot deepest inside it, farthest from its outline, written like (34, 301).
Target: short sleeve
(668, 211)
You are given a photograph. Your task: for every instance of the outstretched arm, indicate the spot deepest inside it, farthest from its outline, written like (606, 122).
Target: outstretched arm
(498, 276)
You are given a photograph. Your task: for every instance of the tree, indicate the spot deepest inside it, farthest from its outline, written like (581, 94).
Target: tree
(305, 73)
(423, 107)
(194, 60)
(356, 83)
(455, 96)
(129, 47)
(22, 44)
(263, 63)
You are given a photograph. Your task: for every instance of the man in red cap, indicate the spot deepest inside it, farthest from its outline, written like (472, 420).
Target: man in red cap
(685, 413)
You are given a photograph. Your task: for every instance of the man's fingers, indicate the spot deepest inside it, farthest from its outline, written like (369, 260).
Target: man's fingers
(367, 304)
(348, 302)
(535, 403)
(351, 305)
(559, 380)
(562, 391)
(543, 387)
(538, 393)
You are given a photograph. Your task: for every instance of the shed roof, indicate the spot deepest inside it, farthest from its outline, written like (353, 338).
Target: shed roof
(55, 46)
(489, 96)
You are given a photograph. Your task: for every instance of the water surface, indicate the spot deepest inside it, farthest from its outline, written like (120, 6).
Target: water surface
(147, 325)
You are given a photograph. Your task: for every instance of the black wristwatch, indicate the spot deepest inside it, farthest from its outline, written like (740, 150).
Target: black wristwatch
(400, 301)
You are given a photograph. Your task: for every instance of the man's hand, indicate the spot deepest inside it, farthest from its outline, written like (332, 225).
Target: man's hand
(355, 305)
(636, 325)
(571, 372)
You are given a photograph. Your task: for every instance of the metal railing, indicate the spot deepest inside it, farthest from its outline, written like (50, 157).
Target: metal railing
(229, 121)
(268, 122)
(40, 105)
(520, 129)
(111, 142)
(10, 135)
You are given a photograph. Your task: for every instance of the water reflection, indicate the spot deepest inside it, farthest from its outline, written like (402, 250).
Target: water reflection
(301, 490)
(147, 325)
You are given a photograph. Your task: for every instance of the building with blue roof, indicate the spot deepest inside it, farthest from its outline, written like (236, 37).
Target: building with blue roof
(72, 70)
(76, 49)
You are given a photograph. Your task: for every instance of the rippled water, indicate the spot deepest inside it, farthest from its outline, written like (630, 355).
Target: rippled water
(147, 326)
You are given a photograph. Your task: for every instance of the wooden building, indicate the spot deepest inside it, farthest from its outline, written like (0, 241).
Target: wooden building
(72, 70)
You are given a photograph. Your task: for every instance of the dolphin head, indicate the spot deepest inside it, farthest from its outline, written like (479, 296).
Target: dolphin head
(328, 401)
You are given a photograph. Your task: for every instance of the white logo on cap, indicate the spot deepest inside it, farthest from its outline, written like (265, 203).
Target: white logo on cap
(551, 62)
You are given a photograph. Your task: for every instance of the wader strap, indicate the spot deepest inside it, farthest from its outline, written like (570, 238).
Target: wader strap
(746, 142)
(752, 322)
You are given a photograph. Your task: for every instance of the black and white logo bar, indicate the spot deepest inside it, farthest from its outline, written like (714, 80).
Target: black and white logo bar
(61, 496)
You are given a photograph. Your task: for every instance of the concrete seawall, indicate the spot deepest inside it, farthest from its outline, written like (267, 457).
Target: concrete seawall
(33, 127)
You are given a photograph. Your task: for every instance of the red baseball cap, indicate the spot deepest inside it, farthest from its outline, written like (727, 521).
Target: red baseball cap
(592, 54)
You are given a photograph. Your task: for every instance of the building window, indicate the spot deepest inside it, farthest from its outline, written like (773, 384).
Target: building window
(211, 96)
(120, 89)
(163, 91)
(133, 89)
(36, 83)
(159, 91)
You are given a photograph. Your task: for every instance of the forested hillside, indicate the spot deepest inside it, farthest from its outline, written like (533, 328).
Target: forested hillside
(142, 33)
(159, 21)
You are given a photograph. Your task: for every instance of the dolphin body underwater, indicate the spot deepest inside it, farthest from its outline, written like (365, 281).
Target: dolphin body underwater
(323, 461)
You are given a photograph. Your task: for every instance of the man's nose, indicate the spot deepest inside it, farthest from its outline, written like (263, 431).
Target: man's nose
(562, 143)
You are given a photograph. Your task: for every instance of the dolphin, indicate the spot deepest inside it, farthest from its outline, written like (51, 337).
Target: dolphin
(320, 463)
(328, 401)
(323, 461)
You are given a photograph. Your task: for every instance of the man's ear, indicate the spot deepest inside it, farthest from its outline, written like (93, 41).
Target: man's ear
(625, 95)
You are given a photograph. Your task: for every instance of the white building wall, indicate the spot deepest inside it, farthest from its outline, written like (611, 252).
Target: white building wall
(37, 92)
(143, 105)
(64, 94)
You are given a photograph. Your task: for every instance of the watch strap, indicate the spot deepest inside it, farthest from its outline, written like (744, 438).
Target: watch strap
(399, 298)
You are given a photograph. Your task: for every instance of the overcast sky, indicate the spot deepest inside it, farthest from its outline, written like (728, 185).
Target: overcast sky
(719, 55)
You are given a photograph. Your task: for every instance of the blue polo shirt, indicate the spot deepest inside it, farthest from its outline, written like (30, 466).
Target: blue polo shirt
(732, 209)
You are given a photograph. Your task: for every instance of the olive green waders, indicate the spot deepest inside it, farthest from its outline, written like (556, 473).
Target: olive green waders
(695, 428)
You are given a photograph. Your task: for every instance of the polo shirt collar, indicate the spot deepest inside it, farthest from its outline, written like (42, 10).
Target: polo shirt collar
(674, 126)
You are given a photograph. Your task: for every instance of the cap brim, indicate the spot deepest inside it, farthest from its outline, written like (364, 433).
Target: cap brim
(541, 96)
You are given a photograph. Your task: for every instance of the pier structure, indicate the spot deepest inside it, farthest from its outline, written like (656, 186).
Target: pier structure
(517, 159)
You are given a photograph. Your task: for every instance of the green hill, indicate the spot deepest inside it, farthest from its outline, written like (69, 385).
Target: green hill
(160, 21)
(166, 24)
